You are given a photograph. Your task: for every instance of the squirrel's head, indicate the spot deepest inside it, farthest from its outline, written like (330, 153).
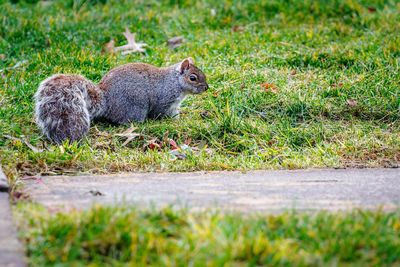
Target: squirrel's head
(191, 78)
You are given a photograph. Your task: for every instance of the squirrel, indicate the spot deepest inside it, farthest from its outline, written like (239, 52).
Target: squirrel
(67, 103)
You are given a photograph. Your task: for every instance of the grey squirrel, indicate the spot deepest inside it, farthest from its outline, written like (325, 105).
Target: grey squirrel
(67, 103)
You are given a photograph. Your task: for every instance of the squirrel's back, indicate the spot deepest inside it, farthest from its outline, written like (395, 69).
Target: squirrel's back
(134, 91)
(65, 104)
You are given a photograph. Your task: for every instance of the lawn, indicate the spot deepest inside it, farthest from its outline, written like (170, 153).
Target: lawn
(293, 84)
(124, 236)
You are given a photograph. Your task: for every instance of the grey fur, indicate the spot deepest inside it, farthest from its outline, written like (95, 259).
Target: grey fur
(65, 104)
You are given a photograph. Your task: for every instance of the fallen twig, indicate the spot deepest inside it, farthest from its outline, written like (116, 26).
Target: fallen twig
(17, 65)
(129, 134)
(132, 45)
(23, 140)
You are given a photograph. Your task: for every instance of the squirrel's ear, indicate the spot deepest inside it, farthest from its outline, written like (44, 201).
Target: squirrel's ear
(191, 61)
(184, 65)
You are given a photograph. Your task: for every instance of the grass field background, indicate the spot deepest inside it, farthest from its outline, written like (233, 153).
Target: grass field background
(125, 236)
(294, 84)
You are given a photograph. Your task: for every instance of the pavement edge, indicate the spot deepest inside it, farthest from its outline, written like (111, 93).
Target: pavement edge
(11, 250)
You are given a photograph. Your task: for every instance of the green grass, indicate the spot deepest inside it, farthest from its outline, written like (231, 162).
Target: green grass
(335, 102)
(320, 55)
(124, 236)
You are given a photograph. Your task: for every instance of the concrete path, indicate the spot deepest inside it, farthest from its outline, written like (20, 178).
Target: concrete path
(11, 251)
(269, 191)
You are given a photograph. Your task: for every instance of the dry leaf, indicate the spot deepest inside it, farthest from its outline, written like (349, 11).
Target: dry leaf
(109, 47)
(237, 28)
(293, 72)
(337, 85)
(127, 131)
(173, 144)
(19, 64)
(165, 139)
(352, 102)
(97, 132)
(175, 42)
(371, 9)
(177, 154)
(129, 134)
(132, 46)
(153, 145)
(23, 140)
(270, 87)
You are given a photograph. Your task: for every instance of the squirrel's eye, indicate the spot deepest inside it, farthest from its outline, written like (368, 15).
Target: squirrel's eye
(193, 77)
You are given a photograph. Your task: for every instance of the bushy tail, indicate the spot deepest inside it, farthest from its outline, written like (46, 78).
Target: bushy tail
(65, 104)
